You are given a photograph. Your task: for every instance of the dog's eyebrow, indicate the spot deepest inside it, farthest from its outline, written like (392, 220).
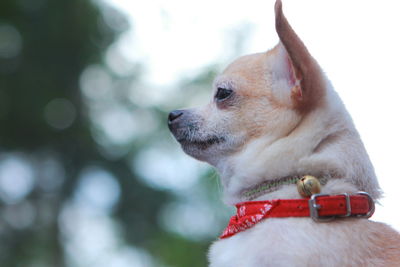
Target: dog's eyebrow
(223, 82)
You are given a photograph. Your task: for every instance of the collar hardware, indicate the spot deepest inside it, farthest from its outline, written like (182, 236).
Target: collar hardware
(371, 204)
(314, 207)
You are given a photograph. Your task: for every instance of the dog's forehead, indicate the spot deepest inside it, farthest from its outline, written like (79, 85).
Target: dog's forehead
(246, 69)
(247, 66)
(244, 73)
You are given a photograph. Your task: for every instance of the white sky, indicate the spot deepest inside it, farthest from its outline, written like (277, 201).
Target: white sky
(356, 42)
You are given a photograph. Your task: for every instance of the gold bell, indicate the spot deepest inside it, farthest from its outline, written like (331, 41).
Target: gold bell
(308, 185)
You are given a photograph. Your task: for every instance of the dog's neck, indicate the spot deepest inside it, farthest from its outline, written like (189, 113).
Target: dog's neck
(324, 144)
(274, 185)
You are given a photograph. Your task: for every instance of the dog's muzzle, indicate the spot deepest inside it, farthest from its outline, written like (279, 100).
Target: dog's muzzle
(185, 126)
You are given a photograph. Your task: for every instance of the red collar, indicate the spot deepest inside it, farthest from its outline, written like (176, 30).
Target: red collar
(319, 207)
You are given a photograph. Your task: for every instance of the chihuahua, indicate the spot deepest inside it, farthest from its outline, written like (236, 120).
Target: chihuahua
(274, 118)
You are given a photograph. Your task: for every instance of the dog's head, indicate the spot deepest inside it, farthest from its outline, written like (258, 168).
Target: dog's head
(274, 114)
(256, 96)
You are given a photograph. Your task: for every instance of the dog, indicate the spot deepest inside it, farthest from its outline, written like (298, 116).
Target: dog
(274, 118)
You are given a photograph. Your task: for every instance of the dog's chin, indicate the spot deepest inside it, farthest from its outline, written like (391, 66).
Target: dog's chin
(203, 149)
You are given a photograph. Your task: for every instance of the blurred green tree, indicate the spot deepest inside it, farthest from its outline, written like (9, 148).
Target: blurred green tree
(52, 58)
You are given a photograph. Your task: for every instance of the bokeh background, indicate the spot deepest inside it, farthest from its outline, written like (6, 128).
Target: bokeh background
(90, 176)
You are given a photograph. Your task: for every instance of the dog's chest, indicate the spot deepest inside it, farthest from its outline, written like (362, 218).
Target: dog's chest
(258, 246)
(288, 242)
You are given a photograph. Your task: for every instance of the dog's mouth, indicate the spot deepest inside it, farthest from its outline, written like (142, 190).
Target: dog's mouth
(202, 144)
(189, 137)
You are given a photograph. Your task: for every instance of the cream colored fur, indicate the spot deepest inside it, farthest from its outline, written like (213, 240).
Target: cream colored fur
(283, 119)
(293, 242)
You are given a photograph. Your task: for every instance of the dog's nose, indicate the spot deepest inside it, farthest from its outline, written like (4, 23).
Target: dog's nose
(174, 115)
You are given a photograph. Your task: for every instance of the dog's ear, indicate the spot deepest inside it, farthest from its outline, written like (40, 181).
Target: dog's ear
(306, 78)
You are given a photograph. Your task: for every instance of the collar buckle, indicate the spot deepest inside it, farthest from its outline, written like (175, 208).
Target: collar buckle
(314, 207)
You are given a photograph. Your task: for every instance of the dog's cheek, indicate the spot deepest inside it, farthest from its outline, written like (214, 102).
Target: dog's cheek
(251, 120)
(261, 117)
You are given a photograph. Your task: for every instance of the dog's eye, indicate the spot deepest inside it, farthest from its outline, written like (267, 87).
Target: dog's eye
(222, 93)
